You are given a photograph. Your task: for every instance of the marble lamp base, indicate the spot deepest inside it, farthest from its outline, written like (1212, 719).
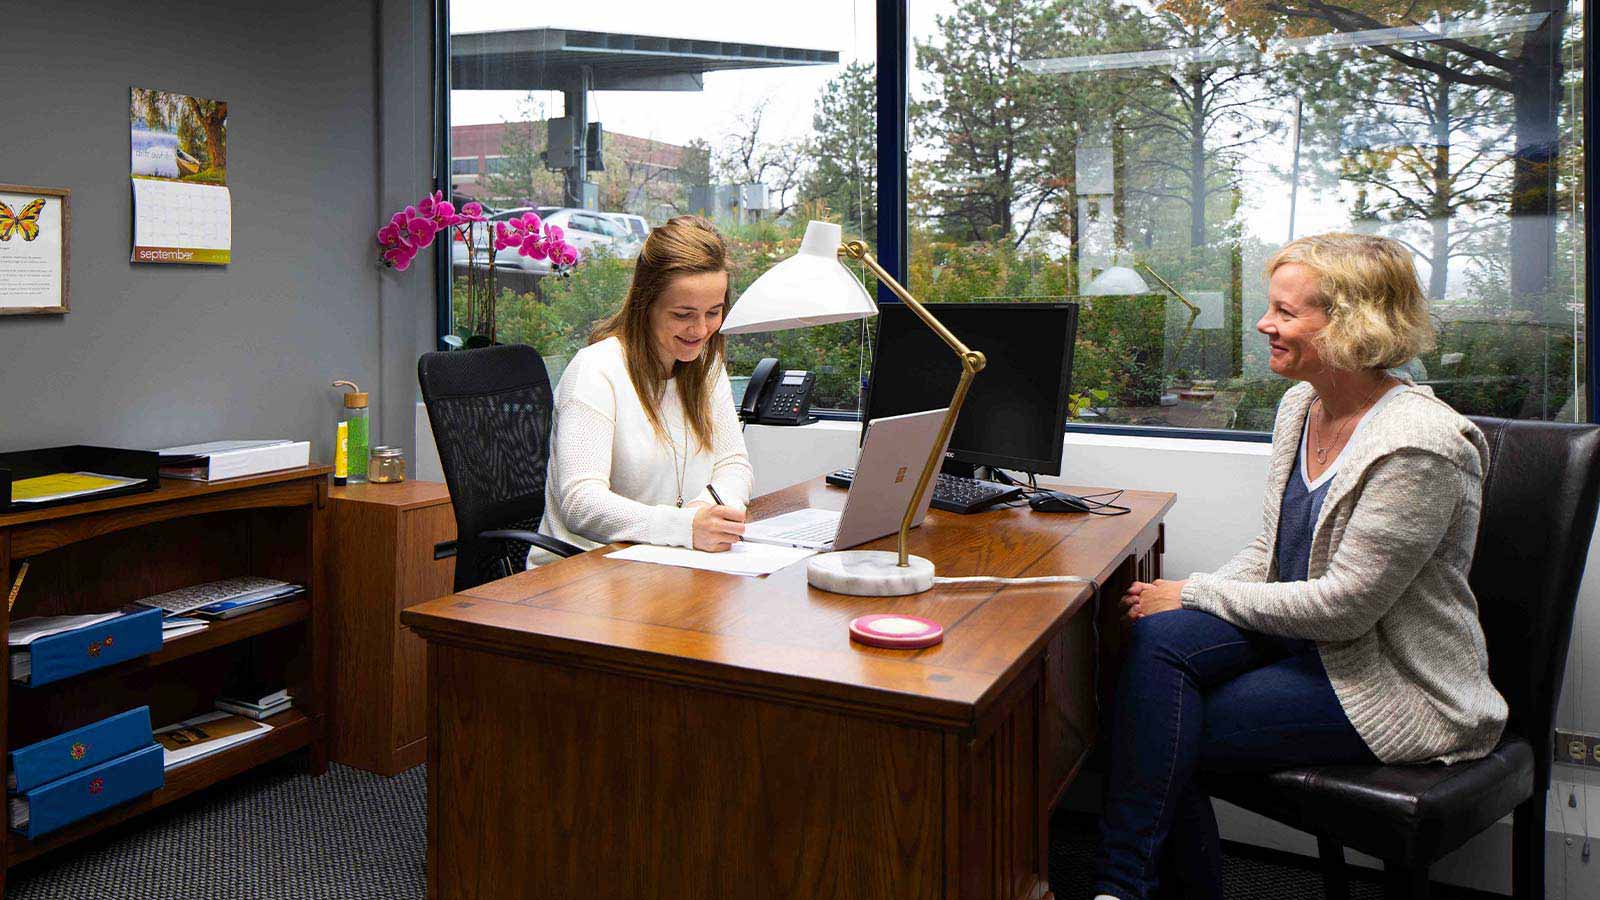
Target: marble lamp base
(869, 573)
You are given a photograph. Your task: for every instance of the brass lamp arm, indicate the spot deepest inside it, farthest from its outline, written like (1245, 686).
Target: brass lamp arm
(972, 362)
(1194, 311)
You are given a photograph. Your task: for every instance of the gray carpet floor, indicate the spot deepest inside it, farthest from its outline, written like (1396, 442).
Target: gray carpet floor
(350, 835)
(280, 835)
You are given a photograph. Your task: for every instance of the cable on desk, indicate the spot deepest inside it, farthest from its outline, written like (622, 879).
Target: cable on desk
(1094, 606)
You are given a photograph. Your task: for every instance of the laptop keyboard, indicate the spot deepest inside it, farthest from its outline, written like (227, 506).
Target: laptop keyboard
(951, 493)
(813, 532)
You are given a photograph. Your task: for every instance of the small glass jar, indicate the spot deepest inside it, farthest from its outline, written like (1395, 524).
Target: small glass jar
(388, 465)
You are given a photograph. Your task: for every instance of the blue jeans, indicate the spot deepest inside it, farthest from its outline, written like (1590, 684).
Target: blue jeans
(1197, 693)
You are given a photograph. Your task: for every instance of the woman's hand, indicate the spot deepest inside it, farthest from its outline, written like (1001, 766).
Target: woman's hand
(716, 528)
(1147, 599)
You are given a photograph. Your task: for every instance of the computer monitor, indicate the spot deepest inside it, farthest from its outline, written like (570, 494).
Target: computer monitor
(1014, 413)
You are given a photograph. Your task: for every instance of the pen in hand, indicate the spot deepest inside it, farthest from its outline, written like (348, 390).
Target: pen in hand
(714, 496)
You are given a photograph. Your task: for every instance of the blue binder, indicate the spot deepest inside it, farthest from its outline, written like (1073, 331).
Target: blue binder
(81, 649)
(66, 800)
(80, 748)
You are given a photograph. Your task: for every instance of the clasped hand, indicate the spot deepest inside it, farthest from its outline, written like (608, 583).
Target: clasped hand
(717, 528)
(1147, 599)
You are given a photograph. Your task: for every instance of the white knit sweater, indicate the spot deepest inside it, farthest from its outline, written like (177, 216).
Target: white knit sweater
(612, 478)
(1387, 599)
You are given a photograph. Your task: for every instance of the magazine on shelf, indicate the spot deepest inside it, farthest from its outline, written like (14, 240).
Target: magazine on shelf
(244, 587)
(204, 735)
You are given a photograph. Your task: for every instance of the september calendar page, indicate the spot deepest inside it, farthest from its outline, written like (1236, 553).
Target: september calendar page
(182, 211)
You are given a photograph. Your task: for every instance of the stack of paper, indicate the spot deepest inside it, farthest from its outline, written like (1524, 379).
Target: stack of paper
(743, 559)
(63, 485)
(177, 626)
(257, 707)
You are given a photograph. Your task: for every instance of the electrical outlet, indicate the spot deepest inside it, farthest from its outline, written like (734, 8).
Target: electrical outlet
(1577, 748)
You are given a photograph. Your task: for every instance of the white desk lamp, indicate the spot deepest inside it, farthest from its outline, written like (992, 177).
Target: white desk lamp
(814, 288)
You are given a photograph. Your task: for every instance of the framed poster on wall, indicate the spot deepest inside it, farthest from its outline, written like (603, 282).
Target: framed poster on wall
(35, 226)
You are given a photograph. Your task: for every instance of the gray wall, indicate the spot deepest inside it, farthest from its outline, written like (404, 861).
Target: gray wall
(154, 355)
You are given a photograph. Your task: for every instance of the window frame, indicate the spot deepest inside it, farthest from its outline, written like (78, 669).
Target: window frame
(894, 61)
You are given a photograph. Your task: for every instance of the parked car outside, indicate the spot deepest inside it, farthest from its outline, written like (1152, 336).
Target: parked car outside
(634, 226)
(586, 230)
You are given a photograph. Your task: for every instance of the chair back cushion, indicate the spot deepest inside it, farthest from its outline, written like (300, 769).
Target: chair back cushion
(491, 414)
(1539, 499)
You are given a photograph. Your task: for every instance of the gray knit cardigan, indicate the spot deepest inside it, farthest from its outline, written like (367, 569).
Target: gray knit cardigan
(1387, 599)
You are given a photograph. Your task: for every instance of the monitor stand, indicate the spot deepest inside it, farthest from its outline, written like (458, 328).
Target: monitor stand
(959, 468)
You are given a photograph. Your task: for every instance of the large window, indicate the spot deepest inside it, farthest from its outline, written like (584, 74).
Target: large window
(610, 119)
(1146, 158)
(1141, 158)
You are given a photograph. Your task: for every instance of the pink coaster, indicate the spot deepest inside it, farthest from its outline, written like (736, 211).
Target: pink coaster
(895, 631)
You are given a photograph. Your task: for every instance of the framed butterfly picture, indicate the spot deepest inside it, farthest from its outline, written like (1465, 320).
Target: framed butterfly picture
(35, 227)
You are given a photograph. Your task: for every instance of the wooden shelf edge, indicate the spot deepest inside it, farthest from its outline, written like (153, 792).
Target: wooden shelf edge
(218, 634)
(292, 730)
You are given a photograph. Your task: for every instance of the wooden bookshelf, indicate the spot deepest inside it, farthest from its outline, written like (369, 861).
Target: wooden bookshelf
(98, 556)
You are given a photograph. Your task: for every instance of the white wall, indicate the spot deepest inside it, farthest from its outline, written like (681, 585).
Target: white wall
(1219, 486)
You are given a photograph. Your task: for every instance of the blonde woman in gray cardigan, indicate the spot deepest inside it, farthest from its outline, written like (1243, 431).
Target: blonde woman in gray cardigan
(1346, 631)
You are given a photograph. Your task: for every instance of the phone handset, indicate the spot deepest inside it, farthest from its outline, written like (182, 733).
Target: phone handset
(761, 383)
(777, 397)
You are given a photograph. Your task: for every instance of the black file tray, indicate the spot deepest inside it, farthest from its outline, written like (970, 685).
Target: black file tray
(22, 464)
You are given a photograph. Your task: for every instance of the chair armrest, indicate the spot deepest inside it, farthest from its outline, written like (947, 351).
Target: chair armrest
(544, 541)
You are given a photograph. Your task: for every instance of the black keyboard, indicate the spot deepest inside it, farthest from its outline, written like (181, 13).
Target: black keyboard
(951, 493)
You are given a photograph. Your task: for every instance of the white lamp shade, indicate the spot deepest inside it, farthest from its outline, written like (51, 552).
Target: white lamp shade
(810, 288)
(1116, 281)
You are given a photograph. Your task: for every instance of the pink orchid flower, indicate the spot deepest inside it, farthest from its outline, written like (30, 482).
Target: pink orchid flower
(422, 231)
(399, 257)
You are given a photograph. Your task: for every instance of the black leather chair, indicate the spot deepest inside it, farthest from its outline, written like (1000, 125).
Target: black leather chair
(1538, 516)
(491, 411)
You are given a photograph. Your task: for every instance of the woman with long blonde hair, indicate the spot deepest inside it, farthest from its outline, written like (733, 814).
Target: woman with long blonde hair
(646, 444)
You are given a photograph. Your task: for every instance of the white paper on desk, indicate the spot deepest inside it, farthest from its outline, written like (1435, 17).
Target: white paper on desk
(743, 559)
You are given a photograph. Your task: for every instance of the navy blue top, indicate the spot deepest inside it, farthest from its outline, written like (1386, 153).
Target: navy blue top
(1297, 518)
(1297, 512)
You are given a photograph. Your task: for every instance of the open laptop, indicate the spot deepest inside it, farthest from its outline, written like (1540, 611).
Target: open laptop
(892, 456)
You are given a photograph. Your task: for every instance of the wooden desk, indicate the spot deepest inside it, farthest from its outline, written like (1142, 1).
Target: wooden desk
(600, 728)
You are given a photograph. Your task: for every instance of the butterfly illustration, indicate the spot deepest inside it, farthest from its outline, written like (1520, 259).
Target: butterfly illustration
(26, 221)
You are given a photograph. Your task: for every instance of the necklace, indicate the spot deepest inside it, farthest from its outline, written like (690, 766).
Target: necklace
(1320, 449)
(683, 464)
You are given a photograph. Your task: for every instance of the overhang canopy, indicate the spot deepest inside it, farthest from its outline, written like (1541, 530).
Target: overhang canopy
(554, 58)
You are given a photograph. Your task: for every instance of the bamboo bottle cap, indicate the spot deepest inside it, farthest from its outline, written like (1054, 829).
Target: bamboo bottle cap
(356, 398)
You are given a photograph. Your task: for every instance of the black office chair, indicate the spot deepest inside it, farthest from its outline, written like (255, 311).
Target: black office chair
(1539, 500)
(491, 412)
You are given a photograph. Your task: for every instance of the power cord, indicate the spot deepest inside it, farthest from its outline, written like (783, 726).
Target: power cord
(1096, 506)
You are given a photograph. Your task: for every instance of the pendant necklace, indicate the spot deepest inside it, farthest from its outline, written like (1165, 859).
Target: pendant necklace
(681, 466)
(1322, 451)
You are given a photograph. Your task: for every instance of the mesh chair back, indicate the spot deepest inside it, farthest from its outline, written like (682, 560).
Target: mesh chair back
(491, 413)
(1539, 499)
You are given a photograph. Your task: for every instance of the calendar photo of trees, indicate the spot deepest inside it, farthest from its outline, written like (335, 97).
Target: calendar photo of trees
(178, 138)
